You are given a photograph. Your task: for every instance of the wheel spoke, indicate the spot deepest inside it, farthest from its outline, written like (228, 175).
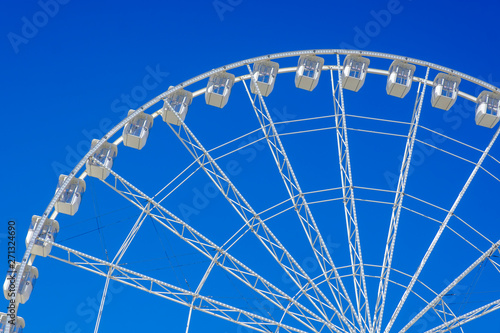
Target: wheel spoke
(299, 201)
(398, 202)
(338, 311)
(440, 231)
(439, 297)
(465, 318)
(116, 260)
(258, 227)
(200, 285)
(349, 200)
(173, 293)
(218, 254)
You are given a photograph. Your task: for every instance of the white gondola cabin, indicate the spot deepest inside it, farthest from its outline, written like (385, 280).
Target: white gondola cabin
(26, 286)
(487, 109)
(18, 324)
(354, 72)
(264, 73)
(400, 78)
(136, 132)
(105, 155)
(180, 102)
(218, 89)
(308, 72)
(70, 199)
(48, 233)
(445, 91)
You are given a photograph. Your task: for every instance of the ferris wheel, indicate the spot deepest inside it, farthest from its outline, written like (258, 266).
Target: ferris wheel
(299, 196)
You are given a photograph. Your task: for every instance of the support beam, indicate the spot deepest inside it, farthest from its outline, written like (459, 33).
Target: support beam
(465, 318)
(351, 219)
(253, 221)
(217, 254)
(299, 202)
(170, 292)
(452, 285)
(398, 202)
(116, 260)
(198, 289)
(440, 231)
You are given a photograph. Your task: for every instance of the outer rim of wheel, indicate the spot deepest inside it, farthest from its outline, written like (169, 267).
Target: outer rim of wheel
(198, 78)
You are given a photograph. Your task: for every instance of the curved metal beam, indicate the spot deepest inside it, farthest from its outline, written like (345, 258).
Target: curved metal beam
(147, 105)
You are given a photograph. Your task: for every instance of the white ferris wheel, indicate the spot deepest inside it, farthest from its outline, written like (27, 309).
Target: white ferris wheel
(303, 205)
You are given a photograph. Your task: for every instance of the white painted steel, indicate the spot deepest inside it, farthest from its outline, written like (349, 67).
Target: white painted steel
(357, 266)
(396, 210)
(272, 244)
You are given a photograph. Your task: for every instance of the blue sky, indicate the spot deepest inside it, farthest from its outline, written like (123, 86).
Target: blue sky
(73, 68)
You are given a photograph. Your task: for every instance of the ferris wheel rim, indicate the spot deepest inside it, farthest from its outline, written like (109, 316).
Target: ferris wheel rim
(242, 63)
(26, 257)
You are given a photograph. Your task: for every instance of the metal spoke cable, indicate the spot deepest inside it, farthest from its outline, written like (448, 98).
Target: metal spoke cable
(165, 290)
(295, 193)
(349, 198)
(169, 259)
(441, 229)
(239, 270)
(250, 217)
(116, 260)
(465, 318)
(472, 285)
(396, 211)
(96, 211)
(28, 257)
(445, 291)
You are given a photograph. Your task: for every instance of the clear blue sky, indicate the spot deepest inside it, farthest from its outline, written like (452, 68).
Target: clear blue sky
(68, 67)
